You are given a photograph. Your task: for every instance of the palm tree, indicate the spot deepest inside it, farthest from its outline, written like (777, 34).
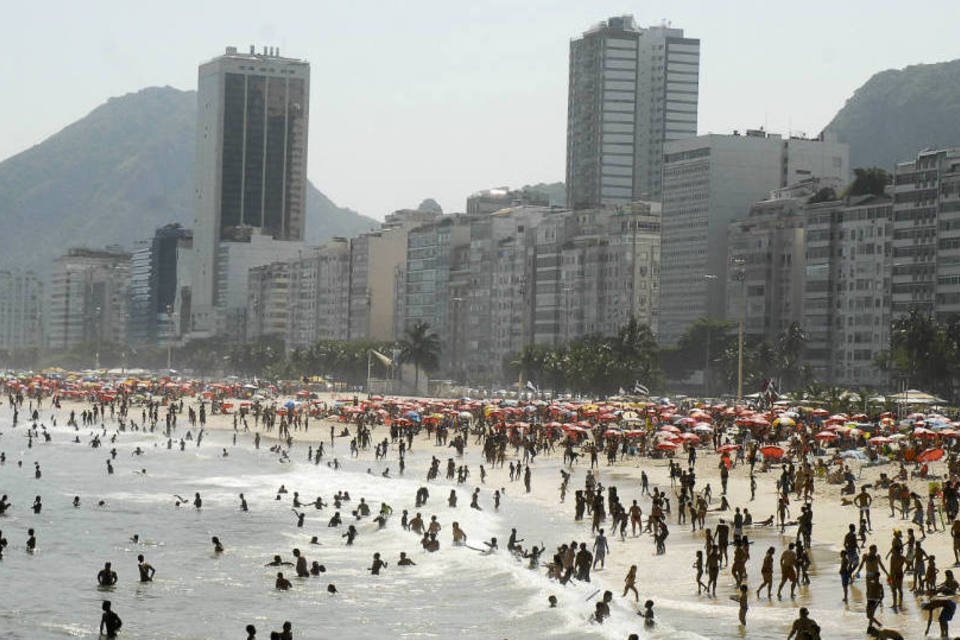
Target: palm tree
(790, 348)
(421, 346)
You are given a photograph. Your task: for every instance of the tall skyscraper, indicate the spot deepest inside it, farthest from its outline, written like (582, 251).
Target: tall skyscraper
(631, 89)
(251, 165)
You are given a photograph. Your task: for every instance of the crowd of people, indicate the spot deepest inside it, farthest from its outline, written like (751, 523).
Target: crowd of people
(722, 522)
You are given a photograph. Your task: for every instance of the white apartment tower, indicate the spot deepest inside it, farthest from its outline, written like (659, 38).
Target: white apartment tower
(251, 164)
(708, 182)
(631, 89)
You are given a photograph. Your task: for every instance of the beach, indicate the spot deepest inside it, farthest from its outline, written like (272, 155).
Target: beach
(456, 590)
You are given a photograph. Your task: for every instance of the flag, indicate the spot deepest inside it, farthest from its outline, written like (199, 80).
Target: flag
(532, 386)
(639, 388)
(622, 392)
(387, 362)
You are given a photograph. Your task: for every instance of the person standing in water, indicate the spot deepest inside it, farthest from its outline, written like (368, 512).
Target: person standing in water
(630, 583)
(742, 600)
(107, 577)
(110, 622)
(146, 569)
(377, 565)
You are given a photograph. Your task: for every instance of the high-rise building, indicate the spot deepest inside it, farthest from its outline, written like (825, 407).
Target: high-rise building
(268, 300)
(608, 272)
(87, 300)
(319, 304)
(141, 321)
(846, 302)
(21, 307)
(160, 281)
(708, 182)
(251, 163)
(768, 247)
(926, 234)
(631, 89)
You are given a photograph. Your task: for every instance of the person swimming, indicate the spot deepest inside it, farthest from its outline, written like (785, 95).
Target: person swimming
(278, 562)
(282, 584)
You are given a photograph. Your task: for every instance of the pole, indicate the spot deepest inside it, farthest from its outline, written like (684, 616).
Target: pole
(369, 367)
(740, 361)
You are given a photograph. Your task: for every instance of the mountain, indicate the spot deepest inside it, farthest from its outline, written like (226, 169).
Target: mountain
(114, 176)
(899, 112)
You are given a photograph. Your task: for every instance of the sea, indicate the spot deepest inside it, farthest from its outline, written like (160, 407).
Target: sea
(454, 593)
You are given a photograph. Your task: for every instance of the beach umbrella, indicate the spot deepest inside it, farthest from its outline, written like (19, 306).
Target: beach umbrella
(667, 446)
(826, 435)
(880, 440)
(784, 421)
(669, 428)
(930, 455)
(690, 437)
(920, 432)
(703, 427)
(727, 448)
(773, 451)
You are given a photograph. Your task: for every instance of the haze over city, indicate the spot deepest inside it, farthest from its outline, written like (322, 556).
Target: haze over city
(437, 99)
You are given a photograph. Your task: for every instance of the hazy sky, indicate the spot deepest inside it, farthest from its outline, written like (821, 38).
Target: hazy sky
(440, 98)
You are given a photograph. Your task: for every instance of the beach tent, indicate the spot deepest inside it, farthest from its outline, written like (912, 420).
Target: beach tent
(913, 396)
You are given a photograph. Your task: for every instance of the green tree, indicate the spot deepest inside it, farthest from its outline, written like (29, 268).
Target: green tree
(529, 364)
(421, 346)
(922, 351)
(826, 194)
(700, 348)
(869, 181)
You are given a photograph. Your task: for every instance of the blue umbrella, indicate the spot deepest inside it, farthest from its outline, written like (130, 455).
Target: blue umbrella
(290, 404)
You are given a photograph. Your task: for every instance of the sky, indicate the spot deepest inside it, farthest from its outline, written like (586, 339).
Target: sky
(441, 98)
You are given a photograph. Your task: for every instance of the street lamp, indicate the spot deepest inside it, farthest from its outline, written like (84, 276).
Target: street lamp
(456, 302)
(740, 274)
(712, 279)
(169, 310)
(98, 312)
